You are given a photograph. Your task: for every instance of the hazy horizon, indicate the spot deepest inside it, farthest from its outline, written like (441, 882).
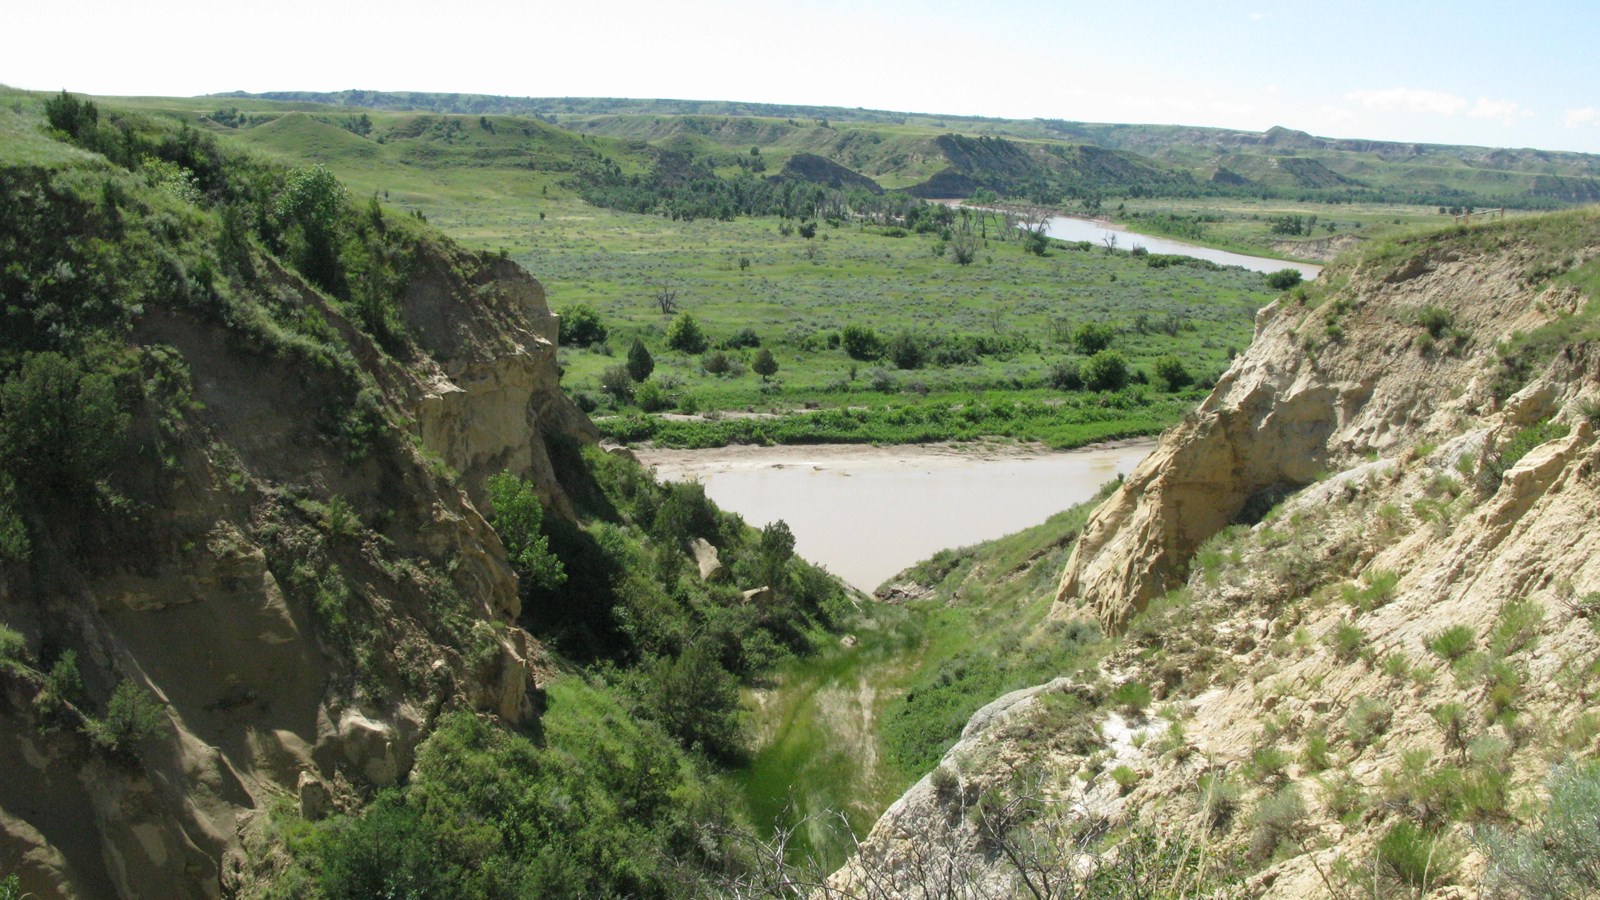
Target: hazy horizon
(1472, 73)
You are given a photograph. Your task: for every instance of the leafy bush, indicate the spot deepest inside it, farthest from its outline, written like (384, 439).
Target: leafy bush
(1219, 799)
(618, 383)
(581, 326)
(1346, 641)
(519, 520)
(1105, 371)
(764, 364)
(1173, 374)
(61, 427)
(1436, 319)
(685, 336)
(652, 397)
(1065, 376)
(908, 350)
(1125, 777)
(862, 343)
(716, 363)
(1517, 628)
(743, 338)
(1092, 337)
(13, 648)
(1283, 279)
(1268, 764)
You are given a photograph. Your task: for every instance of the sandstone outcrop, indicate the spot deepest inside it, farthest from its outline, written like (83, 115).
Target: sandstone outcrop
(1385, 465)
(300, 605)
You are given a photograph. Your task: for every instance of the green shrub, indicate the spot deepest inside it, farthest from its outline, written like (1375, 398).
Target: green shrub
(1452, 643)
(1346, 641)
(1316, 756)
(1275, 819)
(1560, 858)
(1173, 374)
(862, 343)
(1105, 371)
(1268, 764)
(1436, 319)
(1125, 777)
(132, 717)
(908, 350)
(61, 427)
(1455, 725)
(1367, 720)
(1132, 697)
(1518, 446)
(1416, 858)
(652, 397)
(685, 336)
(1517, 628)
(13, 649)
(1092, 337)
(518, 518)
(1066, 375)
(1283, 279)
(640, 363)
(581, 327)
(618, 383)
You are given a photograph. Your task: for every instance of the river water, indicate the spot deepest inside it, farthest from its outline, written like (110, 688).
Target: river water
(1071, 228)
(867, 512)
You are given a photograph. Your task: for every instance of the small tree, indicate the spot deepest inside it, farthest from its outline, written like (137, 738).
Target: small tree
(1105, 371)
(764, 364)
(618, 383)
(640, 362)
(519, 520)
(1283, 279)
(908, 350)
(1173, 373)
(1092, 337)
(581, 326)
(861, 342)
(684, 335)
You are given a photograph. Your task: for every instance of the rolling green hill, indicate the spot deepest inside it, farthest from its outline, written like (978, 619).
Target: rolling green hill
(899, 150)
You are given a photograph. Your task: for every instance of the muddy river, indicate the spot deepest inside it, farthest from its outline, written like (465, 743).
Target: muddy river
(868, 512)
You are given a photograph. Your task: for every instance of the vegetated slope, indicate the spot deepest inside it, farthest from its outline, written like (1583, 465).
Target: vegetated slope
(260, 633)
(1358, 596)
(226, 504)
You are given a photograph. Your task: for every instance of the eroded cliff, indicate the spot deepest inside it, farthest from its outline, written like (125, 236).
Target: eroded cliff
(1354, 602)
(277, 570)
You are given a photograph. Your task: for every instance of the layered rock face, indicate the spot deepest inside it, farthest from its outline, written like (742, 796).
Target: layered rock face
(1319, 389)
(304, 594)
(1361, 585)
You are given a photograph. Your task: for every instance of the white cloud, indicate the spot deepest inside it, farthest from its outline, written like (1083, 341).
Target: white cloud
(1336, 114)
(1579, 117)
(1506, 111)
(1410, 99)
(1256, 17)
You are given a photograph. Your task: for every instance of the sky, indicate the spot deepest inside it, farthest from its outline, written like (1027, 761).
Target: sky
(1499, 74)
